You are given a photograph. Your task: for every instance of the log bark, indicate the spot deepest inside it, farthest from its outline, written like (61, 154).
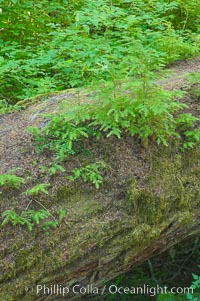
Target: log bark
(149, 201)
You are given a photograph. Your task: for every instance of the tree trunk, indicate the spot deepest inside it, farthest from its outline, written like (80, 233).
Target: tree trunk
(149, 201)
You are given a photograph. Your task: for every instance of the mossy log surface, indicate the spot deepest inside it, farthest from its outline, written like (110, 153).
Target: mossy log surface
(148, 202)
(100, 241)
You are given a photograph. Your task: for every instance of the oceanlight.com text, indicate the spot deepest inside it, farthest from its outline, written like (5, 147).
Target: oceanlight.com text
(77, 289)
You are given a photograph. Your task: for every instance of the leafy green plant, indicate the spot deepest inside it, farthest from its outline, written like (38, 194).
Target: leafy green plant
(139, 108)
(192, 138)
(10, 181)
(194, 79)
(196, 287)
(7, 108)
(55, 168)
(60, 135)
(37, 189)
(69, 46)
(27, 218)
(52, 169)
(185, 121)
(48, 225)
(89, 173)
(61, 214)
(31, 218)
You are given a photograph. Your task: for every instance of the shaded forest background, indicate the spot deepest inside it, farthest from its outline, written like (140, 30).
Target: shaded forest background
(47, 46)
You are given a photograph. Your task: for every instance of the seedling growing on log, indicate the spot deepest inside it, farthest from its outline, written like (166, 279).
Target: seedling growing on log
(89, 173)
(31, 218)
(35, 190)
(10, 181)
(27, 218)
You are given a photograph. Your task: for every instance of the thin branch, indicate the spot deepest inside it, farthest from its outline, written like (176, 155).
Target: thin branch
(28, 205)
(151, 271)
(46, 209)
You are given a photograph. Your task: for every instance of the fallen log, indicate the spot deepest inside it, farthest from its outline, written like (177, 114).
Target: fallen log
(149, 201)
